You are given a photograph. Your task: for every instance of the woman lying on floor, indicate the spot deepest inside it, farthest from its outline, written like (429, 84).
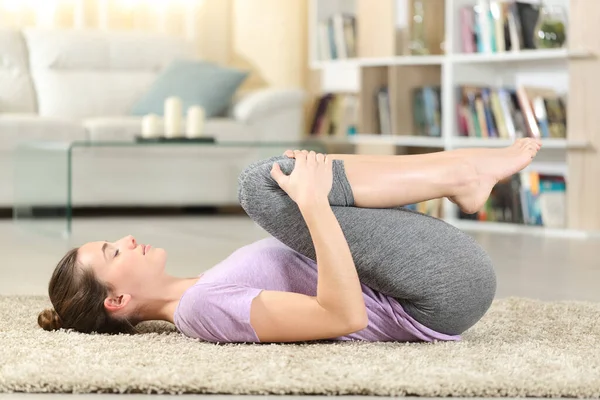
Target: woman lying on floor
(382, 273)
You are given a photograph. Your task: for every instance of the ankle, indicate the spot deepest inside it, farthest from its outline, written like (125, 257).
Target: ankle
(463, 177)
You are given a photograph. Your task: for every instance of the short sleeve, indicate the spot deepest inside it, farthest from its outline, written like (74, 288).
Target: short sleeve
(217, 313)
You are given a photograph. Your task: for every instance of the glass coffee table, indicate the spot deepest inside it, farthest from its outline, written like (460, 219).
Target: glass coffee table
(43, 174)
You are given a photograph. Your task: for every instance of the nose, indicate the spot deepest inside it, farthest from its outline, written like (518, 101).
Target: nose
(129, 241)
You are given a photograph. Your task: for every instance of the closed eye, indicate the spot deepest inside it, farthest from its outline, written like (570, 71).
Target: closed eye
(116, 253)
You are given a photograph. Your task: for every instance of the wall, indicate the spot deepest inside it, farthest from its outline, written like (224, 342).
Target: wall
(266, 36)
(270, 38)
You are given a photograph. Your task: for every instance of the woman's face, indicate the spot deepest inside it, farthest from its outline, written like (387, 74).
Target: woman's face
(129, 266)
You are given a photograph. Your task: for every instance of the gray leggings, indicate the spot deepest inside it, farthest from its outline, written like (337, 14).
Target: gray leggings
(439, 274)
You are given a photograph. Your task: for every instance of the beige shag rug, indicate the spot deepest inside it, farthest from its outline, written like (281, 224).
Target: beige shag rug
(521, 348)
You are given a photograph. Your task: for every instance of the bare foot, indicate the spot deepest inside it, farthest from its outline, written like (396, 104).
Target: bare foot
(485, 167)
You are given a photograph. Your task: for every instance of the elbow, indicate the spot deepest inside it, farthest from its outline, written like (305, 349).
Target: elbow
(359, 323)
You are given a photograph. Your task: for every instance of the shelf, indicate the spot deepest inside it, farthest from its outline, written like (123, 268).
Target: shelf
(378, 62)
(437, 142)
(397, 140)
(460, 142)
(518, 56)
(502, 227)
(506, 57)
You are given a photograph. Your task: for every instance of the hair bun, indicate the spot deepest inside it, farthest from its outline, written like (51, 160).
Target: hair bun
(50, 320)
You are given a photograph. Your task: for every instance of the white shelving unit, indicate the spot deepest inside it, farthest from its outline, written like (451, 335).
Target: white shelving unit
(387, 63)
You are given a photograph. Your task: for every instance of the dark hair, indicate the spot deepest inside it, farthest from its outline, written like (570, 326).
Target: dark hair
(78, 300)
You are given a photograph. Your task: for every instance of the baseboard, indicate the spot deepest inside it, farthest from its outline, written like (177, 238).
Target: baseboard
(129, 211)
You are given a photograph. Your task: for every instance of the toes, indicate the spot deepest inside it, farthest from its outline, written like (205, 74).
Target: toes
(533, 149)
(529, 143)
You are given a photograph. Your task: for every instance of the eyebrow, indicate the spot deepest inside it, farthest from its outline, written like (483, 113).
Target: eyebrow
(104, 249)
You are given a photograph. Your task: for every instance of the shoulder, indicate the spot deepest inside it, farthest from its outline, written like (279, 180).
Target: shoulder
(217, 312)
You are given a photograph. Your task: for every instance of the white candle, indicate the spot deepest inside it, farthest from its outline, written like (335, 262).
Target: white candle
(151, 126)
(173, 117)
(195, 122)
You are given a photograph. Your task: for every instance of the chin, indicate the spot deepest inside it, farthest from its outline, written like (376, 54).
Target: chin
(160, 254)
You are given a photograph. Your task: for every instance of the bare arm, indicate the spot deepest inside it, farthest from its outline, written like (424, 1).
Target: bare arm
(338, 287)
(339, 308)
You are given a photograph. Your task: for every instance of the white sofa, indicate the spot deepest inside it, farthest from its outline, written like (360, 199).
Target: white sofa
(81, 85)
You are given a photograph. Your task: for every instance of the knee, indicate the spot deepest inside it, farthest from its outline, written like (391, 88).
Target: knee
(255, 181)
(480, 297)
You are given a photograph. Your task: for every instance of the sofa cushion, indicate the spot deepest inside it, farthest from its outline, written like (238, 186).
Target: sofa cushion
(16, 88)
(196, 83)
(82, 94)
(87, 73)
(126, 128)
(15, 128)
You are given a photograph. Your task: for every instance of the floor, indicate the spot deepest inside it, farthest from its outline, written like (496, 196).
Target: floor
(547, 268)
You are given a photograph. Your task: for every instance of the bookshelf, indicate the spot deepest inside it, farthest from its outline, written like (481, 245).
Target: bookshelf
(383, 58)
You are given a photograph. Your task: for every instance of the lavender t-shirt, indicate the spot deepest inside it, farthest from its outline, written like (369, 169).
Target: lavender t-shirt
(217, 307)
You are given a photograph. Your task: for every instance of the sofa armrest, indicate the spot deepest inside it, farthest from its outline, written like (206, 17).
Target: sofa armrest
(273, 114)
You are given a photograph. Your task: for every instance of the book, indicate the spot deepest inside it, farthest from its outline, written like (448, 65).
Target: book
(467, 26)
(336, 37)
(433, 208)
(427, 111)
(384, 112)
(490, 119)
(498, 113)
(512, 28)
(527, 110)
(539, 110)
(528, 197)
(498, 22)
(528, 15)
(334, 115)
(508, 113)
(557, 117)
(468, 98)
(534, 105)
(491, 26)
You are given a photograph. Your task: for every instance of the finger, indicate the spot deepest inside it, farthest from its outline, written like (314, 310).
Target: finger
(305, 152)
(311, 157)
(320, 158)
(289, 153)
(300, 157)
(278, 175)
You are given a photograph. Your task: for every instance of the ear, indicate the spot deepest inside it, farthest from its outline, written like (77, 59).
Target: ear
(116, 303)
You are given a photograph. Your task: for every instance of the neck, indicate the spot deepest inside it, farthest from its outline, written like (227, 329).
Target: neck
(162, 308)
